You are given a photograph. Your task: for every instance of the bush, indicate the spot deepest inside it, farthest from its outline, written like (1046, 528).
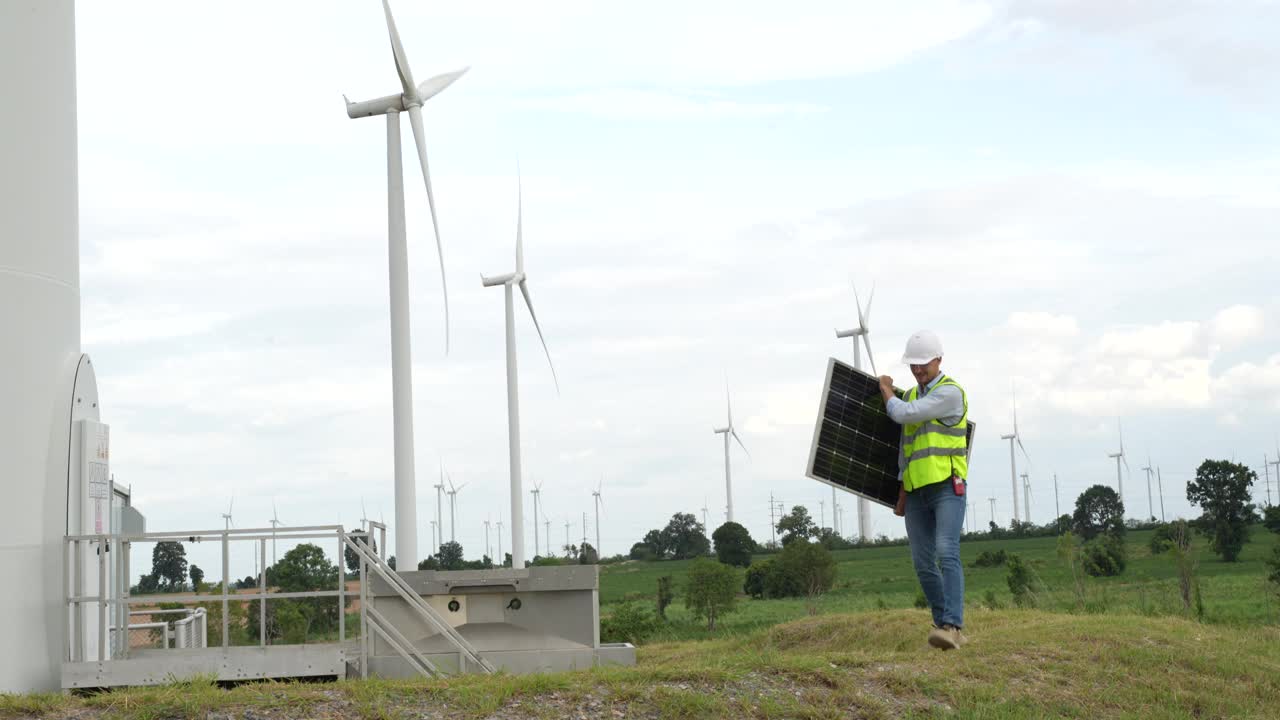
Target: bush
(922, 602)
(801, 569)
(711, 590)
(990, 559)
(1273, 565)
(630, 622)
(733, 544)
(641, 551)
(757, 576)
(1022, 582)
(990, 599)
(1271, 518)
(1168, 533)
(665, 595)
(1104, 557)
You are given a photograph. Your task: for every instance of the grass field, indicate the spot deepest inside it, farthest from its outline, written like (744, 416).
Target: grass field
(1131, 654)
(880, 578)
(1019, 664)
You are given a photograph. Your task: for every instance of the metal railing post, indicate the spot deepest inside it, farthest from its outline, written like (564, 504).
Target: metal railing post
(342, 591)
(124, 564)
(226, 586)
(103, 596)
(364, 617)
(78, 614)
(262, 590)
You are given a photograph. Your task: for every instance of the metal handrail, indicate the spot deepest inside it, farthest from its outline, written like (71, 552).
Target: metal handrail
(428, 613)
(75, 595)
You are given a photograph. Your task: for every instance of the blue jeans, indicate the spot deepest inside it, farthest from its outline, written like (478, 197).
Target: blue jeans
(935, 518)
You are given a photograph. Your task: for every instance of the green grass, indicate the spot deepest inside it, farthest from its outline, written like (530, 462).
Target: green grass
(1018, 664)
(883, 578)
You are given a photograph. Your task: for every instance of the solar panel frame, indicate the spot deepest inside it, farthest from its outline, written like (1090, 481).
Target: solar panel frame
(855, 445)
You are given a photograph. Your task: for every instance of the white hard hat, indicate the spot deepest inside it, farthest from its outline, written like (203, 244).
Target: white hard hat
(922, 348)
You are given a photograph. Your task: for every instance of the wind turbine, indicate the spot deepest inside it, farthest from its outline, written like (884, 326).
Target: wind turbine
(727, 431)
(704, 513)
(275, 522)
(1151, 508)
(862, 331)
(499, 536)
(410, 99)
(440, 505)
(453, 509)
(1026, 495)
(596, 495)
(1013, 462)
(487, 550)
(536, 491)
(508, 282)
(227, 515)
(1119, 458)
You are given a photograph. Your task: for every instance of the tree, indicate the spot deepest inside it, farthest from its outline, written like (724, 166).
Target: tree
(796, 526)
(1221, 489)
(169, 565)
(302, 569)
(711, 590)
(350, 556)
(197, 577)
(684, 537)
(733, 544)
(642, 551)
(588, 555)
(656, 543)
(450, 555)
(1098, 511)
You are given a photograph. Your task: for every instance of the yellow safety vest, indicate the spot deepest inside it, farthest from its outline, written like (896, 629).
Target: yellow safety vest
(935, 451)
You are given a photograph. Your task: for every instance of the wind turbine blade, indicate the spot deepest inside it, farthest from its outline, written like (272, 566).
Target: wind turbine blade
(274, 515)
(524, 290)
(402, 62)
(1022, 448)
(433, 86)
(865, 318)
(728, 404)
(461, 486)
(735, 437)
(857, 301)
(419, 139)
(866, 340)
(231, 504)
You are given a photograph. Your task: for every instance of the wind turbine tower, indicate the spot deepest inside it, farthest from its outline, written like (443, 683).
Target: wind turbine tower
(1119, 458)
(509, 282)
(863, 332)
(1151, 506)
(453, 509)
(1026, 496)
(1015, 437)
(596, 496)
(409, 99)
(226, 516)
(536, 491)
(727, 431)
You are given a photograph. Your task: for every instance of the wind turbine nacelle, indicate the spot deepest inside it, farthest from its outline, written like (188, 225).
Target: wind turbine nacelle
(378, 106)
(848, 333)
(497, 280)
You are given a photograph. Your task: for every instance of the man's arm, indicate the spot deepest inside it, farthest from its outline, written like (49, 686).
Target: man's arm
(944, 401)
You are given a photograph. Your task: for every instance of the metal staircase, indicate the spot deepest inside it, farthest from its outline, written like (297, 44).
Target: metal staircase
(372, 620)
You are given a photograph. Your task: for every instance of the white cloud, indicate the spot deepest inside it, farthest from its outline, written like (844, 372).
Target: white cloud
(1237, 324)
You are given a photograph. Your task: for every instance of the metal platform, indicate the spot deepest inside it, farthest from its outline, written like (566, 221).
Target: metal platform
(156, 667)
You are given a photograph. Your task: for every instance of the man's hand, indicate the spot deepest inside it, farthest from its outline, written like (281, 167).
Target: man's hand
(900, 509)
(886, 388)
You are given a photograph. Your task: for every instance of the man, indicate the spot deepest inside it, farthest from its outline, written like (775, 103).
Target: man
(933, 466)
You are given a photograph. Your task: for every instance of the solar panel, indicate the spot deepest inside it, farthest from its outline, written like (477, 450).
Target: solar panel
(855, 443)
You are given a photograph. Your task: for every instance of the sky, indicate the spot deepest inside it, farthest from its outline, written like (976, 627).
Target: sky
(1080, 198)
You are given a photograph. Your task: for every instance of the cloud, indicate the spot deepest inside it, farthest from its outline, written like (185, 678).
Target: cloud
(1236, 325)
(645, 104)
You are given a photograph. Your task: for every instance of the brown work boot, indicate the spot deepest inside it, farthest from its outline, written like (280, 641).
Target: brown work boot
(944, 638)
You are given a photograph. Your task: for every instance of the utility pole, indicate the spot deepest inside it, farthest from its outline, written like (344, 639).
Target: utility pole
(773, 529)
(500, 558)
(1276, 462)
(546, 522)
(566, 537)
(487, 549)
(822, 514)
(584, 531)
(1160, 486)
(834, 507)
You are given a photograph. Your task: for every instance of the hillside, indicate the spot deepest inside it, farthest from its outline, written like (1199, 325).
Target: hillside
(1019, 664)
